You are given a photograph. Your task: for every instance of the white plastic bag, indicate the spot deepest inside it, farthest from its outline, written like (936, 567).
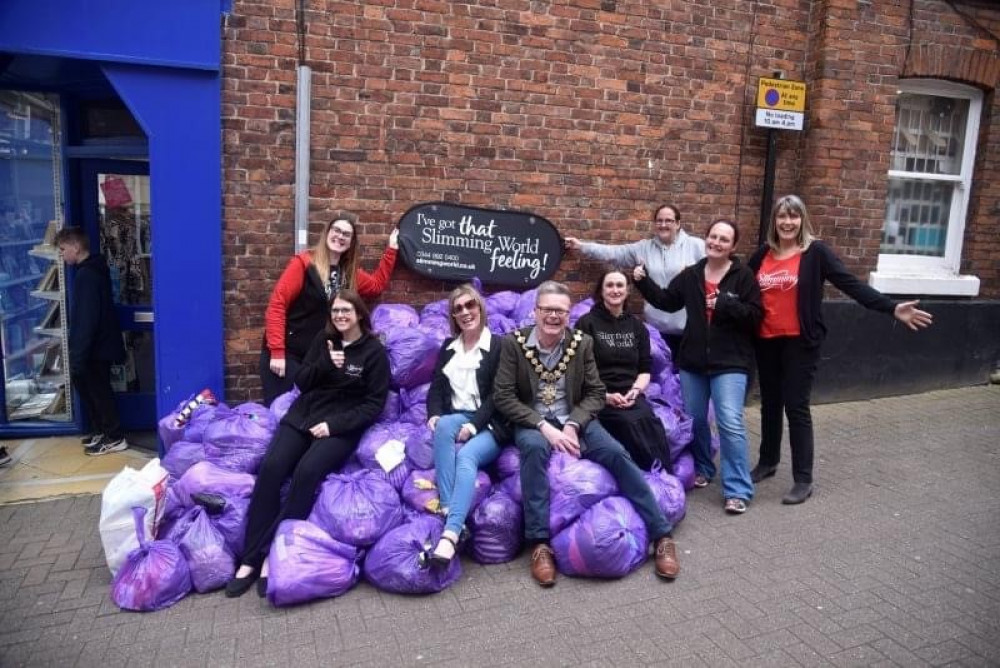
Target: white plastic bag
(146, 488)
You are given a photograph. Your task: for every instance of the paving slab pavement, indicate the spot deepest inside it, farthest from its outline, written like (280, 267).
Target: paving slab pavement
(895, 561)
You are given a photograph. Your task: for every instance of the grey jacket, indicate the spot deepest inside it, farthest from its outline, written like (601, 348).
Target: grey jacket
(662, 264)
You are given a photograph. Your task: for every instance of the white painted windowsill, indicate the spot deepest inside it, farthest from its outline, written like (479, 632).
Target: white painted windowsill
(924, 284)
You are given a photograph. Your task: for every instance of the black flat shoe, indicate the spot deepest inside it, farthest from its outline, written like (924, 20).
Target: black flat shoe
(239, 586)
(760, 472)
(800, 492)
(262, 587)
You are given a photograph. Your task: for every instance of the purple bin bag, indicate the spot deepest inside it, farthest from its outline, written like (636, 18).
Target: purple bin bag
(209, 559)
(155, 574)
(203, 416)
(420, 447)
(579, 310)
(525, 307)
(400, 561)
(511, 486)
(670, 389)
(412, 356)
(499, 325)
(678, 425)
(357, 508)
(391, 408)
(208, 477)
(436, 326)
(386, 317)
(509, 462)
(659, 352)
(305, 564)
(378, 436)
(575, 485)
(232, 522)
(502, 303)
(683, 469)
(238, 441)
(668, 492)
(181, 456)
(497, 525)
(607, 541)
(281, 403)
(440, 307)
(413, 405)
(420, 491)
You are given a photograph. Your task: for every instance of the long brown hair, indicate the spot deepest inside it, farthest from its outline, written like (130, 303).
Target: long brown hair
(348, 263)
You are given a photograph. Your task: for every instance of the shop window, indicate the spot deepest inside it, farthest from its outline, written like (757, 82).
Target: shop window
(930, 175)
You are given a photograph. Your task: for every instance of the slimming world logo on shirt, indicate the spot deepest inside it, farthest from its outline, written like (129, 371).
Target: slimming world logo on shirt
(782, 280)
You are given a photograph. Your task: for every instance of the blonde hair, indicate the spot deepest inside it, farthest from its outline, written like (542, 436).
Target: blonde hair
(790, 204)
(453, 296)
(348, 263)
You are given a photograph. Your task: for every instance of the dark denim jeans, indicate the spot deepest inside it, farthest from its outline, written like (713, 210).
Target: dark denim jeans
(598, 446)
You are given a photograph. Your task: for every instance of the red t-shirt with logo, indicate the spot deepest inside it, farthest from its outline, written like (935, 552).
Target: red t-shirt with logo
(779, 294)
(711, 290)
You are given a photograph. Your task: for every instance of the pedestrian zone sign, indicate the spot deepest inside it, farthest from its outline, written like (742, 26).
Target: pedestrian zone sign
(781, 104)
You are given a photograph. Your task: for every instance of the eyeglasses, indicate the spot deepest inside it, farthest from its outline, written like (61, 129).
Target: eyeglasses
(547, 310)
(470, 306)
(341, 310)
(342, 234)
(664, 221)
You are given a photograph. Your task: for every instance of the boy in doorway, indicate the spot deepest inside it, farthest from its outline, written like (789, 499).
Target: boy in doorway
(95, 341)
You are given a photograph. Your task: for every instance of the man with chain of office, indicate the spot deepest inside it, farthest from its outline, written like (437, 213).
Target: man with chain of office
(548, 386)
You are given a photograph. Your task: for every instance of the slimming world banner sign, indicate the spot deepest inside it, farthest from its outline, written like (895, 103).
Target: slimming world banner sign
(456, 243)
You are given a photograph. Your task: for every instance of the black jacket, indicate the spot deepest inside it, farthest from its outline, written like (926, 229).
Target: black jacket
(726, 344)
(439, 395)
(621, 346)
(94, 332)
(348, 399)
(817, 264)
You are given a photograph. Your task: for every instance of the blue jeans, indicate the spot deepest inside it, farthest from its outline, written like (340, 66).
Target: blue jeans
(727, 391)
(598, 446)
(456, 471)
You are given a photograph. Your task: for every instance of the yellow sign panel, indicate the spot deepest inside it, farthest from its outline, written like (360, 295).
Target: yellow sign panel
(781, 95)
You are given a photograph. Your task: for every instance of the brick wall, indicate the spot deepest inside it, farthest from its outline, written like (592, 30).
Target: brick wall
(588, 112)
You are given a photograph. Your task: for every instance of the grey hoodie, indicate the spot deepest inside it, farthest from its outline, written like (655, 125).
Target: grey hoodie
(662, 264)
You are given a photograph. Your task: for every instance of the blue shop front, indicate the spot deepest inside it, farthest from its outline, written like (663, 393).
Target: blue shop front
(110, 121)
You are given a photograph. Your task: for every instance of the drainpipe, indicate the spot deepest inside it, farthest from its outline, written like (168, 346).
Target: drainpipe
(303, 101)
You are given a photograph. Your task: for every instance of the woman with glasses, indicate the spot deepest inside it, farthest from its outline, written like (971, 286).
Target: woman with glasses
(621, 348)
(296, 311)
(460, 410)
(664, 255)
(722, 300)
(344, 379)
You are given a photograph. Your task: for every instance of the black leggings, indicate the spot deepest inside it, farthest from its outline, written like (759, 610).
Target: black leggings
(308, 460)
(272, 384)
(786, 367)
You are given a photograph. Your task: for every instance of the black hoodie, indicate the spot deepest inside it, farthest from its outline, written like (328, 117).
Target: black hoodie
(94, 332)
(727, 343)
(348, 399)
(621, 346)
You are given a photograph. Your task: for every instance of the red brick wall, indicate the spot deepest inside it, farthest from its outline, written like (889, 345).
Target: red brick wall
(588, 112)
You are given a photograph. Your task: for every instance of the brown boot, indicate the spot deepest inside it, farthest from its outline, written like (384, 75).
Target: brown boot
(666, 563)
(543, 565)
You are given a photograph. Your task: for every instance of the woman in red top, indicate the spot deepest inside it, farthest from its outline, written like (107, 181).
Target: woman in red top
(297, 310)
(791, 270)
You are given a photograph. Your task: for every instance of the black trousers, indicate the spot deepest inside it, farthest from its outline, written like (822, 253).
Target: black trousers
(640, 431)
(273, 384)
(308, 461)
(93, 384)
(786, 367)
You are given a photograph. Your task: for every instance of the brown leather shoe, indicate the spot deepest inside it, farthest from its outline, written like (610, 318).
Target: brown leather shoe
(666, 563)
(543, 565)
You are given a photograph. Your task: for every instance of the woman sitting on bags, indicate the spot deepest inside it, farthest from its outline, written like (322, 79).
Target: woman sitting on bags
(722, 299)
(344, 380)
(621, 348)
(296, 312)
(460, 410)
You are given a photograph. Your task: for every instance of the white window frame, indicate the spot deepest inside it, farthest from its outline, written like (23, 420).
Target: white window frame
(915, 274)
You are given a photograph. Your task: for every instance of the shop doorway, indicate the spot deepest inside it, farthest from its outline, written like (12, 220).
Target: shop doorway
(117, 216)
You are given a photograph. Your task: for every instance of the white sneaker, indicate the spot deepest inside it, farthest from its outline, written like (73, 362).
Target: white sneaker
(106, 445)
(91, 439)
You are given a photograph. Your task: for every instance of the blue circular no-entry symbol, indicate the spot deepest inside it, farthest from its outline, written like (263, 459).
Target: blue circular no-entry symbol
(772, 97)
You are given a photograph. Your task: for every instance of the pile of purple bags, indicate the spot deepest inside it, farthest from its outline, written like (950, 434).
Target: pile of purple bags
(377, 517)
